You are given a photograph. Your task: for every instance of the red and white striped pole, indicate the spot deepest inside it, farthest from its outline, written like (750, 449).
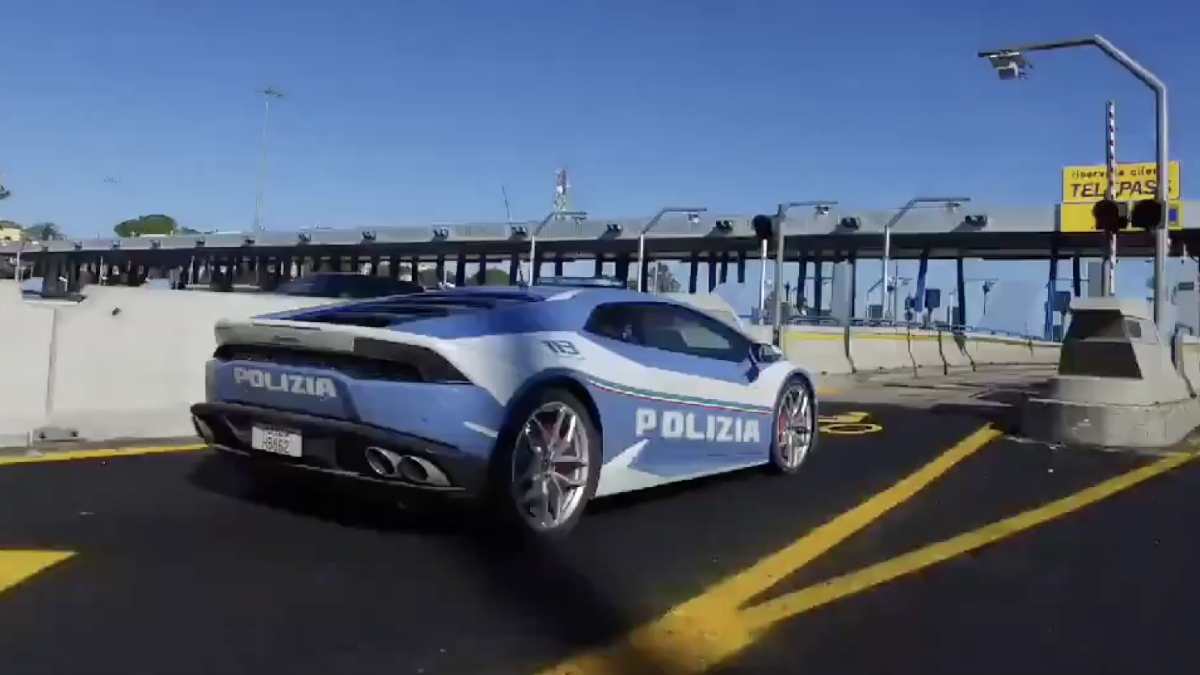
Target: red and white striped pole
(1109, 284)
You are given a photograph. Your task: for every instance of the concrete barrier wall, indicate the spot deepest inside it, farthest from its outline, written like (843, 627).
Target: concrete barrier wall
(818, 349)
(1045, 352)
(926, 354)
(24, 361)
(882, 348)
(1191, 361)
(994, 350)
(954, 351)
(128, 362)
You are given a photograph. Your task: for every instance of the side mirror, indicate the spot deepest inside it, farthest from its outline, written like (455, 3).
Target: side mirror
(761, 352)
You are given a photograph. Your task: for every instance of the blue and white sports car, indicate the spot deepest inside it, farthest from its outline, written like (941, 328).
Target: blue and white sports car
(540, 398)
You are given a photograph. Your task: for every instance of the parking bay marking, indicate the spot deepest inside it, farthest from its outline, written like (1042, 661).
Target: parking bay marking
(17, 566)
(852, 423)
(709, 629)
(71, 455)
(702, 631)
(762, 616)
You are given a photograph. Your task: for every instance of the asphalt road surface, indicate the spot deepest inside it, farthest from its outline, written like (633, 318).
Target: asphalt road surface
(181, 565)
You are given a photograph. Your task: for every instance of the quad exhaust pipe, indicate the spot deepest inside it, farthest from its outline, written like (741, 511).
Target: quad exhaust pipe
(392, 465)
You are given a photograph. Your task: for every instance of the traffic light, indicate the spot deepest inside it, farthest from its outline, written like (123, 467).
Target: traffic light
(763, 226)
(1147, 214)
(1110, 216)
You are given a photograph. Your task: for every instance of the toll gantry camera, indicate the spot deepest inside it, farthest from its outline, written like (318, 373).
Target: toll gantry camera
(1010, 65)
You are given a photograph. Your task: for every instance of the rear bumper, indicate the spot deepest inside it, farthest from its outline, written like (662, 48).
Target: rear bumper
(336, 448)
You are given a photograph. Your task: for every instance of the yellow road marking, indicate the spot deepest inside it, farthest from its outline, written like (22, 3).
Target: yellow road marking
(702, 631)
(17, 566)
(70, 455)
(815, 337)
(761, 617)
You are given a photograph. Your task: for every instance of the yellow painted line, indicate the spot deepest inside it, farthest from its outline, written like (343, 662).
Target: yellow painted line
(827, 391)
(762, 616)
(17, 566)
(815, 337)
(709, 628)
(72, 455)
(763, 574)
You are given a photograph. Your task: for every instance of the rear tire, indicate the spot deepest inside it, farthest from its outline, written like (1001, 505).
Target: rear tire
(794, 426)
(547, 465)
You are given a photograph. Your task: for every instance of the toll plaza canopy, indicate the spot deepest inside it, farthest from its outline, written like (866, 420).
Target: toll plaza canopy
(937, 231)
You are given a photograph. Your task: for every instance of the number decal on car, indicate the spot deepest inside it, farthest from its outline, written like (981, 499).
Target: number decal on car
(562, 347)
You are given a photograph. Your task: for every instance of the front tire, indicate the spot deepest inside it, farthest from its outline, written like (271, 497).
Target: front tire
(794, 433)
(548, 464)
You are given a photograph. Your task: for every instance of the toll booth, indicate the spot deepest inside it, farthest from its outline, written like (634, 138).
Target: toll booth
(1116, 385)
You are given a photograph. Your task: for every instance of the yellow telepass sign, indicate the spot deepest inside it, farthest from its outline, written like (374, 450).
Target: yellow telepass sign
(1088, 184)
(1083, 186)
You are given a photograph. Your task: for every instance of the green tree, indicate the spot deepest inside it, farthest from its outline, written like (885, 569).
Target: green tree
(156, 223)
(44, 231)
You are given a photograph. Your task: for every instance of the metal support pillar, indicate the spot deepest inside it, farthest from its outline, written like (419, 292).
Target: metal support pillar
(922, 275)
(439, 268)
(741, 266)
(852, 256)
(514, 267)
(693, 272)
(643, 274)
(712, 271)
(724, 266)
(623, 268)
(460, 270)
(536, 264)
(961, 311)
(1048, 328)
(598, 271)
(481, 275)
(801, 281)
(818, 287)
(558, 265)
(1075, 282)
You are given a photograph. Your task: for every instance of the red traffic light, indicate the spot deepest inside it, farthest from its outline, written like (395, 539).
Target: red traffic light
(1147, 214)
(1109, 215)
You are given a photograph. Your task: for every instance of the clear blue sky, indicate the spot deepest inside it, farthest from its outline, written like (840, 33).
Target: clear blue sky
(406, 112)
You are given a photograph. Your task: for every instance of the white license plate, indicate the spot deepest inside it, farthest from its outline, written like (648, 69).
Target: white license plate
(278, 441)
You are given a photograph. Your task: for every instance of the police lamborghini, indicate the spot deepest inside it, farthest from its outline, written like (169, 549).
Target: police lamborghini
(536, 398)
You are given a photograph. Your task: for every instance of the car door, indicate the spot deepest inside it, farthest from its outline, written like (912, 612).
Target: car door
(722, 418)
(690, 407)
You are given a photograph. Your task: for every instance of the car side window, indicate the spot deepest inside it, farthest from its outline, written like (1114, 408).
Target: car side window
(677, 329)
(614, 321)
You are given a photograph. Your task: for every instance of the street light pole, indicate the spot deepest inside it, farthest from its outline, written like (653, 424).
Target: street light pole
(1009, 63)
(822, 207)
(641, 283)
(885, 292)
(268, 94)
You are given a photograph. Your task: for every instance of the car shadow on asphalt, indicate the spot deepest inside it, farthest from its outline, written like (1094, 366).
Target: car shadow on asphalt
(305, 496)
(554, 583)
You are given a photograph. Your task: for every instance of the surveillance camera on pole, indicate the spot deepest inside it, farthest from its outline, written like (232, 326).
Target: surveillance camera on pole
(1010, 65)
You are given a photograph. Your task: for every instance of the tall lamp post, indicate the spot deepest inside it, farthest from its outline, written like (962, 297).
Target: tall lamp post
(641, 281)
(885, 290)
(268, 94)
(553, 215)
(822, 207)
(1011, 64)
